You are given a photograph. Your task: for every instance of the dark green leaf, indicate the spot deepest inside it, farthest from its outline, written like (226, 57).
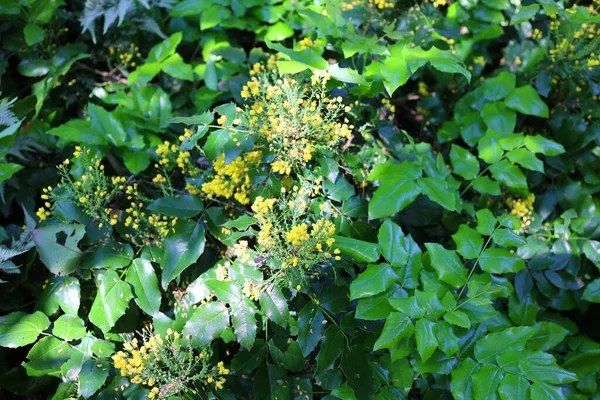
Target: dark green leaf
(274, 305)
(392, 196)
(142, 277)
(69, 327)
(526, 100)
(181, 250)
(448, 266)
(207, 323)
(111, 300)
(375, 279)
(500, 261)
(468, 242)
(358, 249)
(463, 162)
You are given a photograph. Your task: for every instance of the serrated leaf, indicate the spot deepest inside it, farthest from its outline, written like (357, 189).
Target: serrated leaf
(375, 279)
(207, 323)
(426, 339)
(19, 329)
(500, 261)
(526, 100)
(463, 162)
(142, 277)
(468, 242)
(244, 323)
(274, 305)
(397, 327)
(181, 250)
(447, 265)
(186, 206)
(111, 300)
(392, 196)
(69, 327)
(310, 326)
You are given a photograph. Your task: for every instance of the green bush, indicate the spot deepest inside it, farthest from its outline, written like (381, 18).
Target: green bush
(300, 199)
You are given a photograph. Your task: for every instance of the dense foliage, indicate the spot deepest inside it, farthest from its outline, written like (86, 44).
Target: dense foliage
(297, 199)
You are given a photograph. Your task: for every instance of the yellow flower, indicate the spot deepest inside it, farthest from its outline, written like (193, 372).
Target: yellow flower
(298, 234)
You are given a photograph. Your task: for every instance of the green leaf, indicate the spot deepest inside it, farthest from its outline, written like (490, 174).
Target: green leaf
(442, 60)
(142, 277)
(526, 100)
(392, 196)
(392, 244)
(47, 356)
(486, 222)
(244, 322)
(539, 144)
(33, 34)
(57, 246)
(592, 292)
(499, 118)
(526, 159)
(360, 250)
(395, 73)
(426, 340)
(19, 329)
(541, 367)
(525, 13)
(487, 348)
(584, 364)
(310, 60)
(331, 348)
(8, 169)
(458, 318)
(447, 265)
(499, 87)
(486, 382)
(310, 326)
(547, 337)
(375, 279)
(274, 305)
(177, 68)
(437, 190)
(61, 291)
(213, 16)
(463, 162)
(489, 147)
(540, 390)
(500, 261)
(447, 340)
(92, 376)
(186, 206)
(112, 299)
(461, 385)
(397, 327)
(144, 73)
(181, 250)
(69, 327)
(279, 31)
(506, 238)
(136, 161)
(207, 323)
(509, 175)
(513, 387)
(468, 242)
(485, 185)
(226, 291)
(164, 49)
(107, 124)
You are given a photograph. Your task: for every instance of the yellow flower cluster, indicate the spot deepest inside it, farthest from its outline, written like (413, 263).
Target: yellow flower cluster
(522, 208)
(251, 291)
(581, 49)
(286, 235)
(292, 120)
(93, 192)
(439, 3)
(308, 43)
(232, 180)
(167, 364)
(126, 54)
(146, 229)
(374, 4)
(170, 155)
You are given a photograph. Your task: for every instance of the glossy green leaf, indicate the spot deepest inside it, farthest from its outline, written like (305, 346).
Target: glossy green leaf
(500, 261)
(499, 87)
(142, 277)
(539, 144)
(375, 279)
(92, 376)
(486, 222)
(486, 382)
(33, 33)
(540, 390)
(310, 326)
(458, 318)
(525, 13)
(437, 190)
(469, 242)
(526, 159)
(463, 162)
(274, 305)
(244, 322)
(392, 196)
(592, 292)
(526, 100)
(499, 118)
(57, 246)
(461, 385)
(181, 250)
(357, 249)
(426, 339)
(447, 265)
(397, 327)
(165, 48)
(207, 323)
(331, 348)
(513, 387)
(391, 242)
(111, 302)
(509, 175)
(541, 367)
(69, 327)
(19, 329)
(487, 348)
